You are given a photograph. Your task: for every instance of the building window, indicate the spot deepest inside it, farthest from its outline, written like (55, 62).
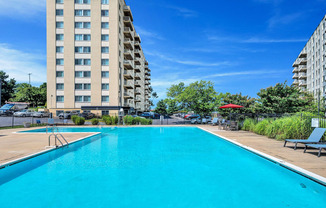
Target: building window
(105, 25)
(87, 86)
(82, 1)
(60, 87)
(82, 13)
(105, 86)
(80, 37)
(87, 99)
(105, 99)
(60, 62)
(59, 25)
(82, 62)
(78, 86)
(59, 74)
(82, 25)
(59, 1)
(82, 74)
(105, 49)
(105, 62)
(59, 36)
(105, 113)
(78, 99)
(105, 37)
(60, 99)
(105, 1)
(105, 13)
(105, 74)
(59, 49)
(59, 12)
(81, 49)
(87, 74)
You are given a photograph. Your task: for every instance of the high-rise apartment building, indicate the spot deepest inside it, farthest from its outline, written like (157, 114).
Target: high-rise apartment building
(95, 61)
(309, 71)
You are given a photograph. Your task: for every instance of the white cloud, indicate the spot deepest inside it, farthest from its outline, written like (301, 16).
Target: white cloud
(19, 63)
(184, 12)
(284, 19)
(147, 33)
(22, 8)
(254, 39)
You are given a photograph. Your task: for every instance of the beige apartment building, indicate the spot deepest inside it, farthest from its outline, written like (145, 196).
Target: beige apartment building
(95, 61)
(309, 71)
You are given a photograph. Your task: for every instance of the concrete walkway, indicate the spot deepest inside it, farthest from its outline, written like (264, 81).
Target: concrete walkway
(308, 160)
(17, 145)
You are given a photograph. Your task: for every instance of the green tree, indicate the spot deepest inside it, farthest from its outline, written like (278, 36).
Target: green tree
(199, 97)
(34, 95)
(172, 106)
(175, 90)
(282, 98)
(7, 87)
(237, 99)
(161, 108)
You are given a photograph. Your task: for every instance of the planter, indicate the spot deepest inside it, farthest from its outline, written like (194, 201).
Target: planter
(27, 125)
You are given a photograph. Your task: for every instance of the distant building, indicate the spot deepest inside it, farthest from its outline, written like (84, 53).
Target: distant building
(95, 61)
(309, 71)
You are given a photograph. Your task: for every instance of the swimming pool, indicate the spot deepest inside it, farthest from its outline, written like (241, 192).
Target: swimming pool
(154, 167)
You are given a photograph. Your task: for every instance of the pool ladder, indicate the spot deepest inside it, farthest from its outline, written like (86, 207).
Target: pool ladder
(58, 137)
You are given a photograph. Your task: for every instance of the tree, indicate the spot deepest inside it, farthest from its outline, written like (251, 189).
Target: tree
(7, 87)
(172, 106)
(153, 95)
(199, 97)
(282, 98)
(175, 90)
(161, 108)
(237, 99)
(27, 93)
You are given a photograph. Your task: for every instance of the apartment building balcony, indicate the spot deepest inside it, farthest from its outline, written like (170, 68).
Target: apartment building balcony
(137, 38)
(127, 20)
(147, 83)
(296, 82)
(137, 76)
(137, 68)
(146, 63)
(127, 74)
(138, 84)
(147, 73)
(302, 75)
(137, 53)
(147, 78)
(295, 70)
(128, 54)
(302, 83)
(128, 64)
(137, 92)
(137, 61)
(295, 76)
(127, 32)
(128, 84)
(137, 99)
(128, 43)
(127, 95)
(296, 63)
(303, 61)
(303, 54)
(127, 12)
(302, 68)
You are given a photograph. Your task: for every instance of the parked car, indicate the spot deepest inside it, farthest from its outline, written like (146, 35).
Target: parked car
(75, 113)
(146, 115)
(87, 115)
(196, 120)
(24, 113)
(65, 115)
(193, 116)
(207, 120)
(7, 113)
(41, 114)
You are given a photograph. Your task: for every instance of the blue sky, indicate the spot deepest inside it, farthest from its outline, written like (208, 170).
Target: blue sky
(240, 45)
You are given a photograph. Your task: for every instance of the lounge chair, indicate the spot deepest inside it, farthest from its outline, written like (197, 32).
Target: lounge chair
(316, 146)
(215, 121)
(314, 137)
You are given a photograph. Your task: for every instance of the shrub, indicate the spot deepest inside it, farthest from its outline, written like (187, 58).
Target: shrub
(260, 127)
(128, 120)
(107, 120)
(79, 120)
(249, 124)
(137, 120)
(73, 118)
(95, 121)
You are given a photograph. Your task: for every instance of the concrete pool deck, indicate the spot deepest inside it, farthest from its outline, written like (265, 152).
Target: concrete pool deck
(17, 145)
(308, 161)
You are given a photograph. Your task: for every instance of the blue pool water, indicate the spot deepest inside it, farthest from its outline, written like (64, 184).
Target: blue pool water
(154, 167)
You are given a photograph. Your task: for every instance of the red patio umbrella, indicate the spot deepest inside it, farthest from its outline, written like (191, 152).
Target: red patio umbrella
(231, 106)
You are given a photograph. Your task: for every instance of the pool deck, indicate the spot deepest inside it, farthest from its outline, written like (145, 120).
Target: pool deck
(308, 161)
(17, 145)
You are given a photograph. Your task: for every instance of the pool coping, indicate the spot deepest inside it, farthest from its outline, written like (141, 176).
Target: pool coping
(30, 156)
(310, 175)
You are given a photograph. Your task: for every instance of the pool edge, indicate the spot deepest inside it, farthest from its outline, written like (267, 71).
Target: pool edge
(308, 174)
(30, 156)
